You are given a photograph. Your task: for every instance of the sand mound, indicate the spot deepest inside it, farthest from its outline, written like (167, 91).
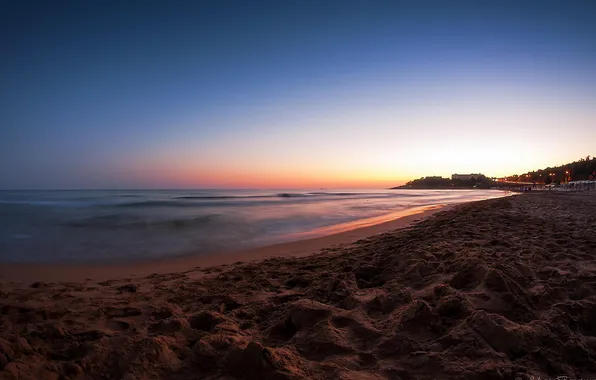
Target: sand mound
(498, 289)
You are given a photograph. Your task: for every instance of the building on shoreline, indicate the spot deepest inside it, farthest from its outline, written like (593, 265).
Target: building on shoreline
(466, 177)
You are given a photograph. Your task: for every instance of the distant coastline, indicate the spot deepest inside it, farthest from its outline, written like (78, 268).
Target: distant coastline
(457, 181)
(580, 170)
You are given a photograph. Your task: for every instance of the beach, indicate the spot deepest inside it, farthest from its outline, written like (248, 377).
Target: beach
(495, 289)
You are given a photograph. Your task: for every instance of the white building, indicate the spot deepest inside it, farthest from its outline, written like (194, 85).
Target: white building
(465, 177)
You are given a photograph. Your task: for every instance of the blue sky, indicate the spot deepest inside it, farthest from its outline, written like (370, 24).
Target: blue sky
(291, 94)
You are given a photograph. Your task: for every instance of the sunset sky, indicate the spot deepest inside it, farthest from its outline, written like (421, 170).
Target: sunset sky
(286, 94)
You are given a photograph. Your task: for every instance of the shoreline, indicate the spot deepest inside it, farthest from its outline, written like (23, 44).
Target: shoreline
(324, 239)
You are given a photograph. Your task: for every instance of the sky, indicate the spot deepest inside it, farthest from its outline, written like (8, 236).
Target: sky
(290, 94)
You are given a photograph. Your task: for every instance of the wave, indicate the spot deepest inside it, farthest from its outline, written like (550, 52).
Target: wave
(151, 204)
(280, 195)
(187, 201)
(119, 221)
(223, 196)
(344, 194)
(133, 201)
(44, 203)
(293, 195)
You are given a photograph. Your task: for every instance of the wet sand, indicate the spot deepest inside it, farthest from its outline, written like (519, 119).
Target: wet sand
(496, 289)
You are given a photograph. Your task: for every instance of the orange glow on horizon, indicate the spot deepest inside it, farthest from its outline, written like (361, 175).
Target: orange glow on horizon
(164, 174)
(283, 181)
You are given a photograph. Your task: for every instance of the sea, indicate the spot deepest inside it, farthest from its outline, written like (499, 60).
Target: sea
(87, 226)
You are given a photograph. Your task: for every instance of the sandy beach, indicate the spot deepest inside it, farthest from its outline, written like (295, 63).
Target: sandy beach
(496, 289)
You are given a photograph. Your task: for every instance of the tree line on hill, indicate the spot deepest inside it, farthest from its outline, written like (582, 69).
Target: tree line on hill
(583, 169)
(477, 182)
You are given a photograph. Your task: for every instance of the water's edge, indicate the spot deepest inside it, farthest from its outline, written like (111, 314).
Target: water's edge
(106, 226)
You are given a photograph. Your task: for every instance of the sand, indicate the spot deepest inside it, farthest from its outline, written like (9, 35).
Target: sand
(497, 289)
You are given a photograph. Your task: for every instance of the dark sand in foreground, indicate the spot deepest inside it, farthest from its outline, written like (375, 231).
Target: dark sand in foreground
(497, 289)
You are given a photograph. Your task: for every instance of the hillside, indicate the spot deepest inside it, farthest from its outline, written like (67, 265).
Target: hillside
(580, 170)
(480, 182)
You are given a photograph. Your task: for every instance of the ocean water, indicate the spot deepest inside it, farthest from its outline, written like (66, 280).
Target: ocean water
(125, 225)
